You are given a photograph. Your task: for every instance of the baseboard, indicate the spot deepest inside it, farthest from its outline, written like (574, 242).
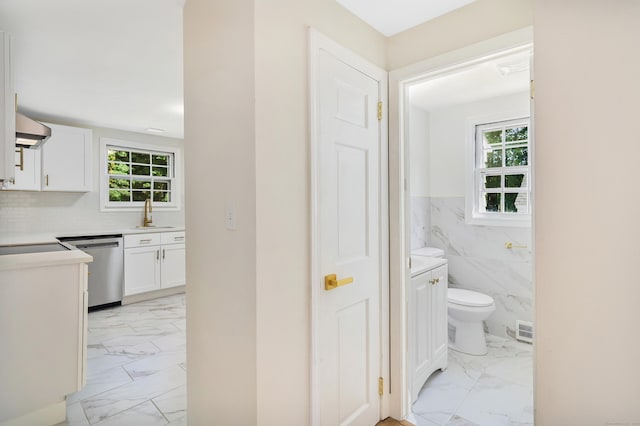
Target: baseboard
(49, 415)
(141, 297)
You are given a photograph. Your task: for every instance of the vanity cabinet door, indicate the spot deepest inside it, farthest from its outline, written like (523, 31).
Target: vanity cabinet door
(438, 317)
(173, 265)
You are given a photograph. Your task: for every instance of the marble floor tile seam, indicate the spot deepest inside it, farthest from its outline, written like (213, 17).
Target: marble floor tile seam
(106, 419)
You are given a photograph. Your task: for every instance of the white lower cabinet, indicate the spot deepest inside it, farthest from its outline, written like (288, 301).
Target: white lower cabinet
(153, 261)
(427, 326)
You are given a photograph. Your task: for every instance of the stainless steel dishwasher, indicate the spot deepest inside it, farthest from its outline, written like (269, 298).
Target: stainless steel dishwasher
(106, 272)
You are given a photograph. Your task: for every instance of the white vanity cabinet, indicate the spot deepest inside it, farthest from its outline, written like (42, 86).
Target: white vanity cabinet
(66, 159)
(153, 261)
(427, 323)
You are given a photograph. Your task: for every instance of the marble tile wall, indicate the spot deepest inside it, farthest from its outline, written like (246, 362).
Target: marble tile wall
(420, 221)
(478, 260)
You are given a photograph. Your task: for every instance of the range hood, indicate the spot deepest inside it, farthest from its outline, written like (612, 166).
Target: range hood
(30, 133)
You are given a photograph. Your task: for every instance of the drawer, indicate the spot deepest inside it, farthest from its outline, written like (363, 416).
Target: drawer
(173, 237)
(141, 240)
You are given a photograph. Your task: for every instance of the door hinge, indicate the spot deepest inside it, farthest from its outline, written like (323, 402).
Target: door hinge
(380, 386)
(532, 89)
(379, 111)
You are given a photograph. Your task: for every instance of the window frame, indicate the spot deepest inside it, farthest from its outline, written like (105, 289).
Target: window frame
(176, 180)
(474, 182)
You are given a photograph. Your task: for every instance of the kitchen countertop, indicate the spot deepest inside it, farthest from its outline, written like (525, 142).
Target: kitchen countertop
(34, 260)
(12, 238)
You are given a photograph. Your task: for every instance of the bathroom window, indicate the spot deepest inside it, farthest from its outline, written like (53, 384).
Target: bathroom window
(501, 174)
(133, 173)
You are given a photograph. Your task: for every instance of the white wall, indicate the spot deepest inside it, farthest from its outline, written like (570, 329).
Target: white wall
(480, 20)
(60, 212)
(246, 126)
(448, 139)
(419, 155)
(586, 221)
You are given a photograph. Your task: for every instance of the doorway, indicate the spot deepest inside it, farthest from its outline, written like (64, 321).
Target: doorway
(437, 106)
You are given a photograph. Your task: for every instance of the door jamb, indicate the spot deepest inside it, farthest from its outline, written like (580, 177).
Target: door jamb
(399, 82)
(317, 42)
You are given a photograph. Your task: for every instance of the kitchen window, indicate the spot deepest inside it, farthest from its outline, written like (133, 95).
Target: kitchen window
(132, 174)
(501, 189)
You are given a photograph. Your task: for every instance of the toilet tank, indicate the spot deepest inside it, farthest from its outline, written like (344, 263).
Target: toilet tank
(428, 252)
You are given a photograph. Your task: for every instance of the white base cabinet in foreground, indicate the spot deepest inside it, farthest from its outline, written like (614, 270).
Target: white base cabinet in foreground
(153, 261)
(44, 337)
(427, 325)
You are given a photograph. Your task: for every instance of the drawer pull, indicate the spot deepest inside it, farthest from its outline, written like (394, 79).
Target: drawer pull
(178, 238)
(147, 241)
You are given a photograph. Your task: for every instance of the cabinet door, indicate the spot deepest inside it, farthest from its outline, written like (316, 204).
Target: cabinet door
(438, 318)
(141, 269)
(66, 160)
(27, 176)
(173, 265)
(419, 325)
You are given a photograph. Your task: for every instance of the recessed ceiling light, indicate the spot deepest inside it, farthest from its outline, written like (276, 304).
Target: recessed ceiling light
(154, 130)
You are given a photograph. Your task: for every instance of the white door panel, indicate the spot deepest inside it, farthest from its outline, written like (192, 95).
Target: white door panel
(348, 235)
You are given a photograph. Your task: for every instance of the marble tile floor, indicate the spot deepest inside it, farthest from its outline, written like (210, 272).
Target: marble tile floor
(491, 390)
(136, 367)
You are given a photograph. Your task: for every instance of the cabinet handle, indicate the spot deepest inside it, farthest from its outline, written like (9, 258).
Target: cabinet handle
(435, 281)
(21, 151)
(158, 254)
(162, 254)
(178, 238)
(145, 241)
(46, 180)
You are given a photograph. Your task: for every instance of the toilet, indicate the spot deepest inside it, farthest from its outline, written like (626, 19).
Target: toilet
(466, 310)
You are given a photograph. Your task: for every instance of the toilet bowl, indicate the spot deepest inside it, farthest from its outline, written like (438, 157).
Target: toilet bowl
(466, 311)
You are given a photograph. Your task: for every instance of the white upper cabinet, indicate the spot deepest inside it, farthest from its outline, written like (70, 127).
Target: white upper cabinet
(7, 111)
(27, 170)
(66, 159)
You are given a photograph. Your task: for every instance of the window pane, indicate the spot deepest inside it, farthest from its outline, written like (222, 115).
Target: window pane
(141, 184)
(492, 181)
(516, 203)
(492, 202)
(141, 170)
(119, 183)
(162, 197)
(517, 156)
(164, 186)
(493, 158)
(119, 195)
(516, 134)
(493, 138)
(141, 157)
(160, 171)
(117, 168)
(140, 195)
(162, 160)
(515, 181)
(114, 155)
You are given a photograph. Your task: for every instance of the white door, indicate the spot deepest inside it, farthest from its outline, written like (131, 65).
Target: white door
(347, 234)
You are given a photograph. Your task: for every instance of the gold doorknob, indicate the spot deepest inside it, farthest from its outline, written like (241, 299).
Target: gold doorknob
(332, 281)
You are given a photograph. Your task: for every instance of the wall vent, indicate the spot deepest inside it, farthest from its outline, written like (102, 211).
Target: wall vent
(524, 331)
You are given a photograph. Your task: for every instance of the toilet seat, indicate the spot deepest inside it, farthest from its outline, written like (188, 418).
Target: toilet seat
(463, 297)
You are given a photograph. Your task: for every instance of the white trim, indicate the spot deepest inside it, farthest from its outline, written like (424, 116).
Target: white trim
(399, 82)
(176, 191)
(318, 42)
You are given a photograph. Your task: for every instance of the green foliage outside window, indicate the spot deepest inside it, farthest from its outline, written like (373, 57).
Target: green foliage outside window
(135, 176)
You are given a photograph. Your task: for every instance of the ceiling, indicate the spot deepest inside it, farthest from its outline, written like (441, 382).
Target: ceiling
(105, 63)
(118, 63)
(497, 77)
(393, 16)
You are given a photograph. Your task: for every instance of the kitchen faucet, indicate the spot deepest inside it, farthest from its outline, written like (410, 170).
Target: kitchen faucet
(147, 213)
